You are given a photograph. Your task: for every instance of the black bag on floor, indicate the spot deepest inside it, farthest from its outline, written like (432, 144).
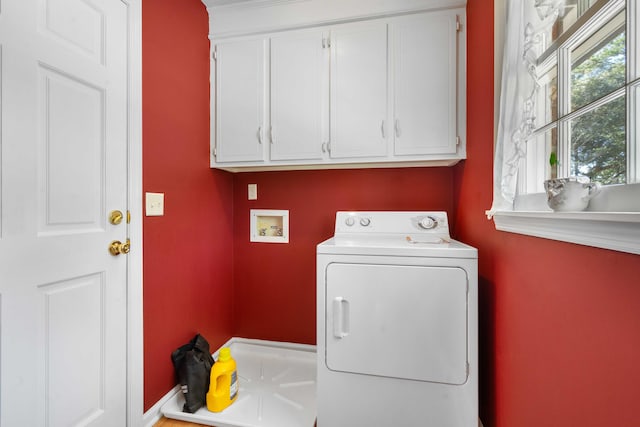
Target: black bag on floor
(193, 363)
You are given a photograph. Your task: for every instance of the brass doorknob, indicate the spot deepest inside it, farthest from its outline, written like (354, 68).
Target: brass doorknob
(115, 217)
(117, 247)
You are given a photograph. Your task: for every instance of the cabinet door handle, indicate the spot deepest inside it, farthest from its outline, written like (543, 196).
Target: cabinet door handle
(397, 128)
(259, 134)
(326, 147)
(271, 134)
(382, 130)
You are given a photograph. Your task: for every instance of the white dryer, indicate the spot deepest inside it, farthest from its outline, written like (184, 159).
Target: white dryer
(397, 327)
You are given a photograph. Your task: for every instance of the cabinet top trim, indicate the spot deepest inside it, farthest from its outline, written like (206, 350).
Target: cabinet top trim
(230, 18)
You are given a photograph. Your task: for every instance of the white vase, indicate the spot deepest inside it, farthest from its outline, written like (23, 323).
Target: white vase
(570, 194)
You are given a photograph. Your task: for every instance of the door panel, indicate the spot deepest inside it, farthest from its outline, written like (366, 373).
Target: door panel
(74, 344)
(397, 321)
(79, 24)
(73, 126)
(63, 153)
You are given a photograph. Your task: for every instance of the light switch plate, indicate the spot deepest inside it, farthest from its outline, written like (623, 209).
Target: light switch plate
(253, 191)
(154, 204)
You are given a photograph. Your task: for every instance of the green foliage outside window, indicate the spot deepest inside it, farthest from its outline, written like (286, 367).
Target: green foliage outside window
(598, 138)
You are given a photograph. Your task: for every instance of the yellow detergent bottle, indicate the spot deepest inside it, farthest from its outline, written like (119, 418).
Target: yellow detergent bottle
(223, 389)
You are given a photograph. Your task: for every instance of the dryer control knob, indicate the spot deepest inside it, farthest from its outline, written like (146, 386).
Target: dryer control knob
(350, 221)
(365, 222)
(428, 223)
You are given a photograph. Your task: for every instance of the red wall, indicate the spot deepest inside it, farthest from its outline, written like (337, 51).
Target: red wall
(559, 347)
(560, 323)
(187, 252)
(274, 284)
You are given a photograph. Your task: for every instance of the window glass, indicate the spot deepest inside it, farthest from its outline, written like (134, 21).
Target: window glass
(536, 166)
(589, 81)
(572, 10)
(633, 174)
(547, 102)
(598, 143)
(598, 67)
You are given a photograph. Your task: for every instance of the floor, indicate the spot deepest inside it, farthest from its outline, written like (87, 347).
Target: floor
(167, 422)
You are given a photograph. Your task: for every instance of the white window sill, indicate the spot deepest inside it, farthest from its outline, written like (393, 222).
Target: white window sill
(618, 231)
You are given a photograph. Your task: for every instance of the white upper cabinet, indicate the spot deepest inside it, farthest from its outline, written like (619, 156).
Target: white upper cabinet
(425, 83)
(239, 101)
(359, 90)
(232, 18)
(361, 84)
(298, 101)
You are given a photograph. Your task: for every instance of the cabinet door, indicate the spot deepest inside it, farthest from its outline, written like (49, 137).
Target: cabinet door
(359, 90)
(298, 95)
(425, 78)
(240, 76)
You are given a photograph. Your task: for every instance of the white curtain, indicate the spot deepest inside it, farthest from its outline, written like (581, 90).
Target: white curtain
(527, 22)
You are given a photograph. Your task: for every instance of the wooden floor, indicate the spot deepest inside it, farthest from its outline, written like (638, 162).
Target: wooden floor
(167, 422)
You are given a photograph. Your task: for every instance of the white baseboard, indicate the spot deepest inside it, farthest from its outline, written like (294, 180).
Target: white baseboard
(154, 413)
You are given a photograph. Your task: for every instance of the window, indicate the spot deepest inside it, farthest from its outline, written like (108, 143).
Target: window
(576, 101)
(581, 106)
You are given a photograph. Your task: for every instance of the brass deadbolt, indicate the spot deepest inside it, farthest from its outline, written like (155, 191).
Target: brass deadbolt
(115, 217)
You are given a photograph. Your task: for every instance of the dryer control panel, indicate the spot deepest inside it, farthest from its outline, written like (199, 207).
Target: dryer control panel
(383, 222)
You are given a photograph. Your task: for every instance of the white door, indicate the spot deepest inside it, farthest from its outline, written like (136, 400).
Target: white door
(359, 94)
(425, 79)
(239, 101)
(299, 94)
(397, 321)
(63, 149)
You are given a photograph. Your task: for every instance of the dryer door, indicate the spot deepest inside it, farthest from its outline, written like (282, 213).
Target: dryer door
(397, 321)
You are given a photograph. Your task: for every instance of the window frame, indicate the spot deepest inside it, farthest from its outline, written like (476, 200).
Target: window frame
(612, 220)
